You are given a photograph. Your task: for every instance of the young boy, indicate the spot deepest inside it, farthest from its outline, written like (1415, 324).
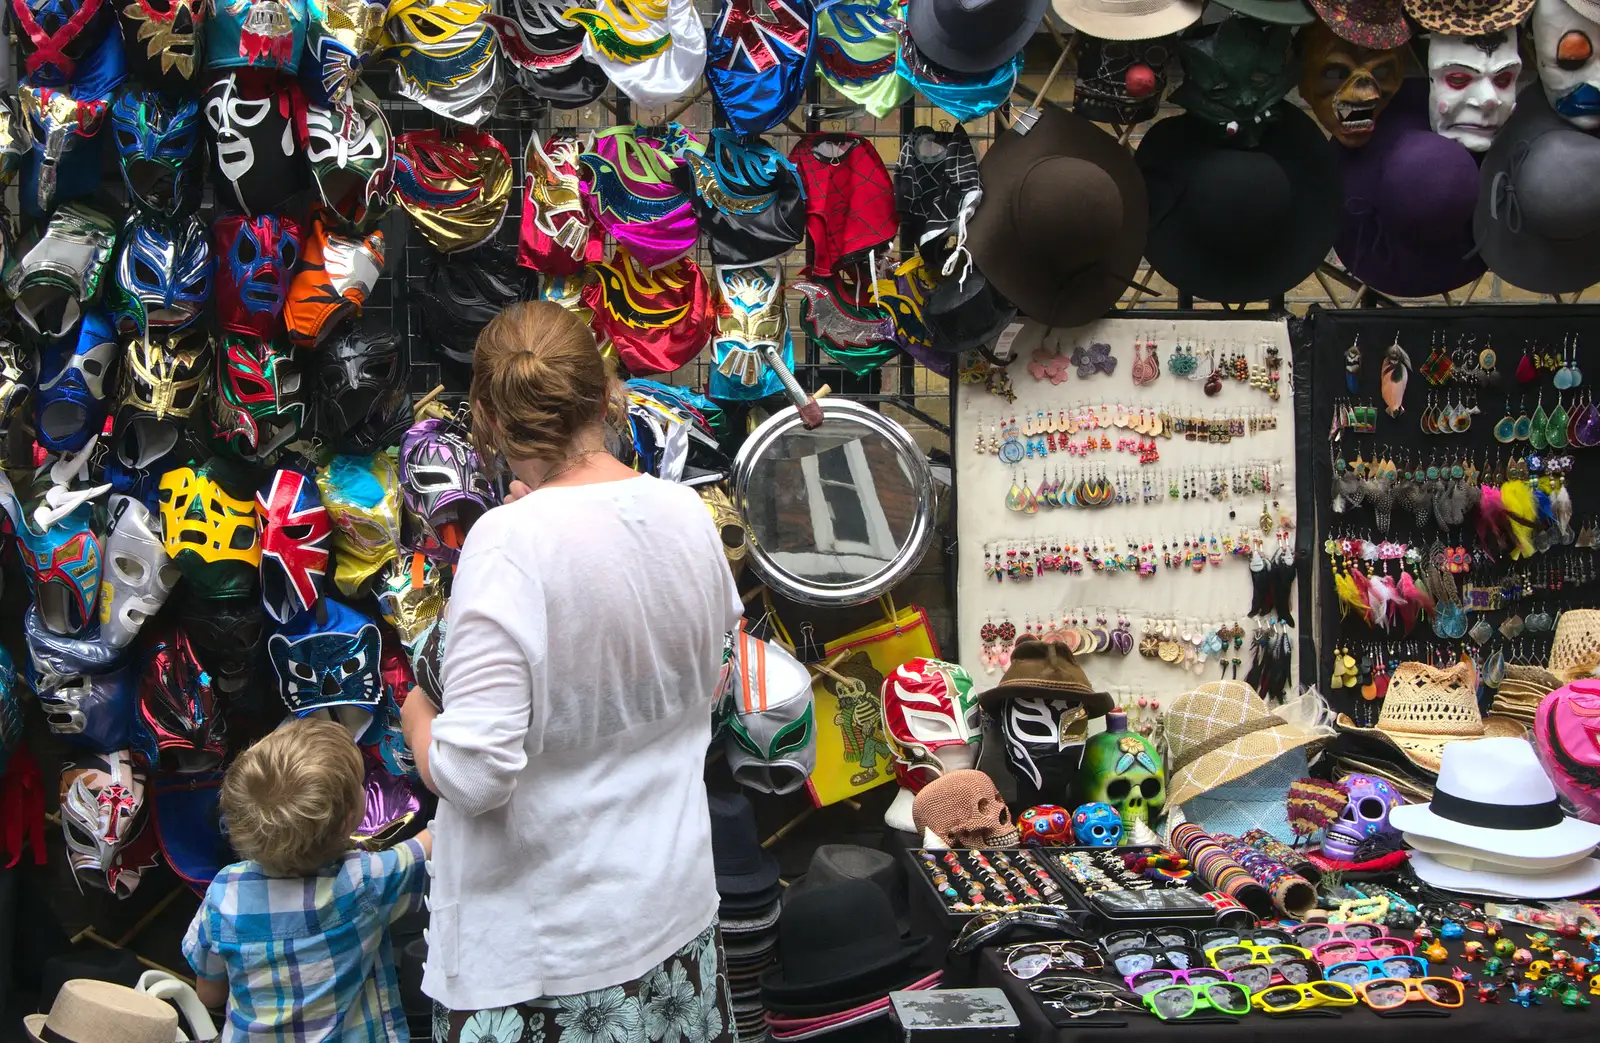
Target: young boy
(296, 938)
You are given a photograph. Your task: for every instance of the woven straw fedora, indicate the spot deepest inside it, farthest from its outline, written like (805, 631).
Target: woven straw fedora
(1577, 642)
(89, 1011)
(1220, 731)
(1428, 707)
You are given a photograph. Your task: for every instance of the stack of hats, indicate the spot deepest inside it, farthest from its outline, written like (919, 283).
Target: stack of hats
(1520, 692)
(747, 881)
(1575, 652)
(1495, 827)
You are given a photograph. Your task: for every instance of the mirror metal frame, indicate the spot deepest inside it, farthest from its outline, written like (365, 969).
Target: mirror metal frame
(910, 553)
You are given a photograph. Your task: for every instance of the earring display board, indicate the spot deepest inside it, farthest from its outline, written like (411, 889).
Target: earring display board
(1139, 550)
(1439, 429)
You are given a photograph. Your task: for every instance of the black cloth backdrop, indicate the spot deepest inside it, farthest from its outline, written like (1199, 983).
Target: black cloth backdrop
(1320, 343)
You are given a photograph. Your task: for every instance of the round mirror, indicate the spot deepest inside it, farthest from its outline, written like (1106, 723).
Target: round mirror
(837, 514)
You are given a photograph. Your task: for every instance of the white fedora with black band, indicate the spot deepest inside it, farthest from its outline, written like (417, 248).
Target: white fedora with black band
(1489, 878)
(1492, 796)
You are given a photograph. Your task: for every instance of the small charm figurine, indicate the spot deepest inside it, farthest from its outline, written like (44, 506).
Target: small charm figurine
(1537, 969)
(1561, 958)
(1594, 985)
(1491, 928)
(1538, 941)
(1487, 993)
(1472, 951)
(1524, 995)
(1436, 953)
(1493, 966)
(1522, 957)
(1578, 967)
(1573, 997)
(1450, 930)
(1461, 974)
(1504, 947)
(1422, 934)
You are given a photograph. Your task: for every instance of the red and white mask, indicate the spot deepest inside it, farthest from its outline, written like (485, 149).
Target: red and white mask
(931, 719)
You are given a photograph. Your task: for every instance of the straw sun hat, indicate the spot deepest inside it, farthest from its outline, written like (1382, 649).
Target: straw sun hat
(89, 1011)
(1428, 707)
(1577, 642)
(1219, 732)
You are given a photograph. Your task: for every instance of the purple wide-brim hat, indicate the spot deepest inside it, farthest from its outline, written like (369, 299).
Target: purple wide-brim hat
(1409, 194)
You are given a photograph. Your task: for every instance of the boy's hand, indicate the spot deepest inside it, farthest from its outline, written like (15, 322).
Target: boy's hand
(213, 994)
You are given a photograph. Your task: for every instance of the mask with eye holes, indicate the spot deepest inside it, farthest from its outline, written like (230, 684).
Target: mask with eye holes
(328, 659)
(411, 610)
(352, 158)
(1564, 44)
(359, 374)
(70, 404)
(341, 35)
(103, 819)
(296, 533)
(53, 36)
(257, 258)
(137, 576)
(1121, 82)
(156, 139)
(164, 383)
(384, 740)
(1234, 73)
(162, 277)
(362, 494)
(254, 160)
(179, 706)
(19, 370)
(263, 34)
(259, 405)
(463, 294)
(65, 124)
(544, 52)
(446, 57)
(62, 271)
(85, 686)
(1472, 86)
(162, 40)
(444, 485)
(1347, 86)
(1044, 746)
(226, 633)
(337, 274)
(63, 568)
(211, 535)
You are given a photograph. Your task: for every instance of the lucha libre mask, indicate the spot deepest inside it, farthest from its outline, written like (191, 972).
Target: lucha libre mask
(1235, 74)
(226, 633)
(65, 125)
(63, 567)
(358, 376)
(102, 817)
(340, 37)
(446, 57)
(351, 152)
(555, 228)
(1097, 825)
(1045, 825)
(1123, 769)
(61, 272)
(337, 273)
(856, 45)
(1121, 82)
(1044, 740)
(296, 533)
(751, 316)
(455, 190)
(263, 34)
(179, 706)
(156, 137)
(758, 60)
(252, 120)
(931, 720)
(392, 812)
(259, 405)
(1364, 817)
(137, 575)
(211, 535)
(53, 657)
(411, 597)
(1346, 85)
(748, 202)
(256, 259)
(53, 36)
(427, 659)
(462, 293)
(164, 383)
(362, 495)
(1566, 730)
(772, 739)
(658, 319)
(162, 277)
(1472, 86)
(628, 179)
(91, 712)
(544, 49)
(74, 377)
(1564, 43)
(328, 659)
(444, 486)
(163, 41)
(18, 372)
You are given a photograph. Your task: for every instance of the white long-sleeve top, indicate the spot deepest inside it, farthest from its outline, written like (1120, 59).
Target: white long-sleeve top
(572, 846)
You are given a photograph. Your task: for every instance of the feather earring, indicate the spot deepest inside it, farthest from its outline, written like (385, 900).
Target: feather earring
(1561, 511)
(1396, 370)
(1282, 585)
(1517, 498)
(1260, 589)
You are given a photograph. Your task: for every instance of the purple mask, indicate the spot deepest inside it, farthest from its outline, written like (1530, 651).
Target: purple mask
(392, 810)
(1367, 815)
(445, 488)
(628, 182)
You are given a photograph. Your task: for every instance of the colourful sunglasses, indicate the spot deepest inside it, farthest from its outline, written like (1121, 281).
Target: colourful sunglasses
(1342, 949)
(1280, 999)
(1389, 993)
(1353, 971)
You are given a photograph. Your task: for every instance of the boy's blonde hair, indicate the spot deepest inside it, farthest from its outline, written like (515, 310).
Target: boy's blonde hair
(290, 800)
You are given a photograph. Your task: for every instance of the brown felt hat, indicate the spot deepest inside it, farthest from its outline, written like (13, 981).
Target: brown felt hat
(1048, 669)
(1062, 224)
(89, 1011)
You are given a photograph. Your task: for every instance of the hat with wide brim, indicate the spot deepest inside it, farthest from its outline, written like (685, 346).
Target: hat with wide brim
(1128, 19)
(972, 36)
(1454, 854)
(1220, 732)
(1577, 643)
(1047, 669)
(1571, 836)
(1409, 197)
(1236, 225)
(1575, 879)
(1427, 708)
(1468, 17)
(1425, 751)
(1273, 12)
(743, 866)
(1538, 217)
(1375, 24)
(838, 939)
(1062, 224)
(831, 863)
(89, 1011)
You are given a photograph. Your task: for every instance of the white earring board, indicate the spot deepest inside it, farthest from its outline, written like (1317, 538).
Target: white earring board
(1216, 595)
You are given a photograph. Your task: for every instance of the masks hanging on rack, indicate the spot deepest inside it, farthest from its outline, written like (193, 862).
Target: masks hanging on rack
(74, 380)
(156, 138)
(262, 34)
(257, 258)
(162, 277)
(259, 404)
(138, 575)
(179, 706)
(163, 41)
(163, 384)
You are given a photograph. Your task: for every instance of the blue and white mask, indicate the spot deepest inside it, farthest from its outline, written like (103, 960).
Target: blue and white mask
(156, 136)
(327, 658)
(162, 277)
(74, 378)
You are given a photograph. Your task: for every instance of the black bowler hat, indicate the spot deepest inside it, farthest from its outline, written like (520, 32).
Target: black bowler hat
(838, 940)
(743, 866)
(1233, 224)
(962, 314)
(973, 35)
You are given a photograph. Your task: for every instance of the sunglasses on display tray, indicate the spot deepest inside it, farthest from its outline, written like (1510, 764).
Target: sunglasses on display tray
(1212, 937)
(1087, 1004)
(1341, 949)
(1315, 934)
(1173, 957)
(1155, 938)
(1028, 960)
(1176, 1002)
(1281, 999)
(987, 928)
(1353, 971)
(1228, 957)
(1390, 993)
(1257, 977)
(1149, 981)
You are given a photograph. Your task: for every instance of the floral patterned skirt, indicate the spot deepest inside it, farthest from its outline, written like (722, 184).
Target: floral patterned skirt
(684, 1000)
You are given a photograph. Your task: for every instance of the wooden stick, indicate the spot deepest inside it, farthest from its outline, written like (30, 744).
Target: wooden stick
(784, 829)
(1327, 289)
(425, 401)
(1474, 290)
(155, 911)
(1447, 301)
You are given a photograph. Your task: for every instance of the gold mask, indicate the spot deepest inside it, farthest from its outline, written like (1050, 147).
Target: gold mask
(362, 495)
(166, 375)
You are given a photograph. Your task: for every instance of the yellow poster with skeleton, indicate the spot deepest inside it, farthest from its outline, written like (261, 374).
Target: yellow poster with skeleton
(852, 756)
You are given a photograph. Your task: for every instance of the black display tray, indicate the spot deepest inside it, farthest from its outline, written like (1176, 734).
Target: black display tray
(937, 902)
(1179, 905)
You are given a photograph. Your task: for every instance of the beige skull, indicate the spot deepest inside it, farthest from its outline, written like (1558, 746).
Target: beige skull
(964, 809)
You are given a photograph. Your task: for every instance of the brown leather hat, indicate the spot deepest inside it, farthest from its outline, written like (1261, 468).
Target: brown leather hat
(1048, 669)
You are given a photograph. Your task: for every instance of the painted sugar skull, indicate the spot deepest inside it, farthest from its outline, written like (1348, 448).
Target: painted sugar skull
(1347, 86)
(1472, 86)
(1121, 81)
(963, 809)
(102, 814)
(1097, 825)
(1367, 815)
(1566, 731)
(1123, 769)
(931, 719)
(329, 660)
(1234, 75)
(1044, 740)
(1045, 825)
(1564, 44)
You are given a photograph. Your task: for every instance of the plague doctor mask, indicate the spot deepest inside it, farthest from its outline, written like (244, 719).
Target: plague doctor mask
(1564, 43)
(933, 725)
(103, 819)
(137, 574)
(162, 278)
(296, 533)
(156, 138)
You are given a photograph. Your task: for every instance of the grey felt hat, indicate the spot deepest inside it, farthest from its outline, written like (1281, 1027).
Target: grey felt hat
(1538, 218)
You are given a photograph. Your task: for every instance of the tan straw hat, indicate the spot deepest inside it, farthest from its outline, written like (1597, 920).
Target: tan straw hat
(1220, 731)
(1577, 642)
(1128, 19)
(89, 1011)
(1428, 707)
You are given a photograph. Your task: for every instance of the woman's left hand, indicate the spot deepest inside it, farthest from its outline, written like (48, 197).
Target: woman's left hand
(417, 713)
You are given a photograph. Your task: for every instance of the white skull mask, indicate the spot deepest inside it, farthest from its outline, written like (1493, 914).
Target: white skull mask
(1564, 43)
(137, 575)
(964, 809)
(1472, 86)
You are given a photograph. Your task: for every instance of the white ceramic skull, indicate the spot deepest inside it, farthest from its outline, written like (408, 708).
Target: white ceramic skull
(1364, 817)
(1564, 44)
(1472, 86)
(963, 809)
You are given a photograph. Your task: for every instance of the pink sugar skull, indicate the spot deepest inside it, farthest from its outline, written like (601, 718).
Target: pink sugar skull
(1566, 732)
(1367, 815)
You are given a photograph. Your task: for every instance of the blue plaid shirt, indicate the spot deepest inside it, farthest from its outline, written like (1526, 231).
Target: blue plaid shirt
(308, 959)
